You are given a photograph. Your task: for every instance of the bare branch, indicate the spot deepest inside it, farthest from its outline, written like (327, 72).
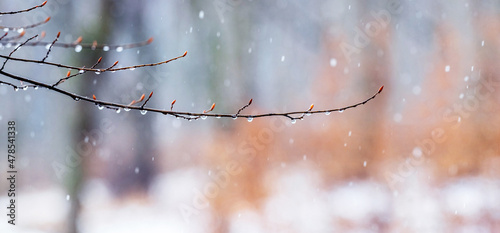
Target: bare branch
(49, 49)
(91, 69)
(4, 35)
(6, 29)
(22, 11)
(101, 104)
(93, 46)
(15, 49)
(186, 115)
(145, 102)
(14, 38)
(242, 108)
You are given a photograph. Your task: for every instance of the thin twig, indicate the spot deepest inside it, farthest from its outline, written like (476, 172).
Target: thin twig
(145, 102)
(15, 49)
(69, 75)
(183, 115)
(22, 11)
(50, 47)
(26, 26)
(92, 46)
(91, 69)
(4, 35)
(242, 108)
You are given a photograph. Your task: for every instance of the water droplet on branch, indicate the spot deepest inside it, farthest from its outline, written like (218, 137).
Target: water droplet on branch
(78, 48)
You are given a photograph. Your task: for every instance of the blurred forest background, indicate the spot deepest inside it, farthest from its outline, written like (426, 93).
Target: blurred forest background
(422, 157)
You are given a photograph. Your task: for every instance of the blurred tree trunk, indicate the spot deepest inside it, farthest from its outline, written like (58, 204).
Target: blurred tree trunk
(135, 173)
(88, 119)
(137, 169)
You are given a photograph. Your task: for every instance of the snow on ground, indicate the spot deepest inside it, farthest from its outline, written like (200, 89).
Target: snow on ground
(297, 202)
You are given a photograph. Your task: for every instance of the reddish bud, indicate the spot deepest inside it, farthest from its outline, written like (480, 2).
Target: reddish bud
(150, 40)
(133, 102)
(99, 60)
(311, 108)
(150, 94)
(250, 102)
(142, 98)
(22, 33)
(78, 40)
(185, 53)
(47, 19)
(69, 73)
(42, 35)
(116, 63)
(43, 4)
(93, 97)
(58, 34)
(211, 108)
(380, 90)
(172, 105)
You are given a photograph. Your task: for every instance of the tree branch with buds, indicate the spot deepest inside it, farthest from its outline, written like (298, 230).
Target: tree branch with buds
(136, 105)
